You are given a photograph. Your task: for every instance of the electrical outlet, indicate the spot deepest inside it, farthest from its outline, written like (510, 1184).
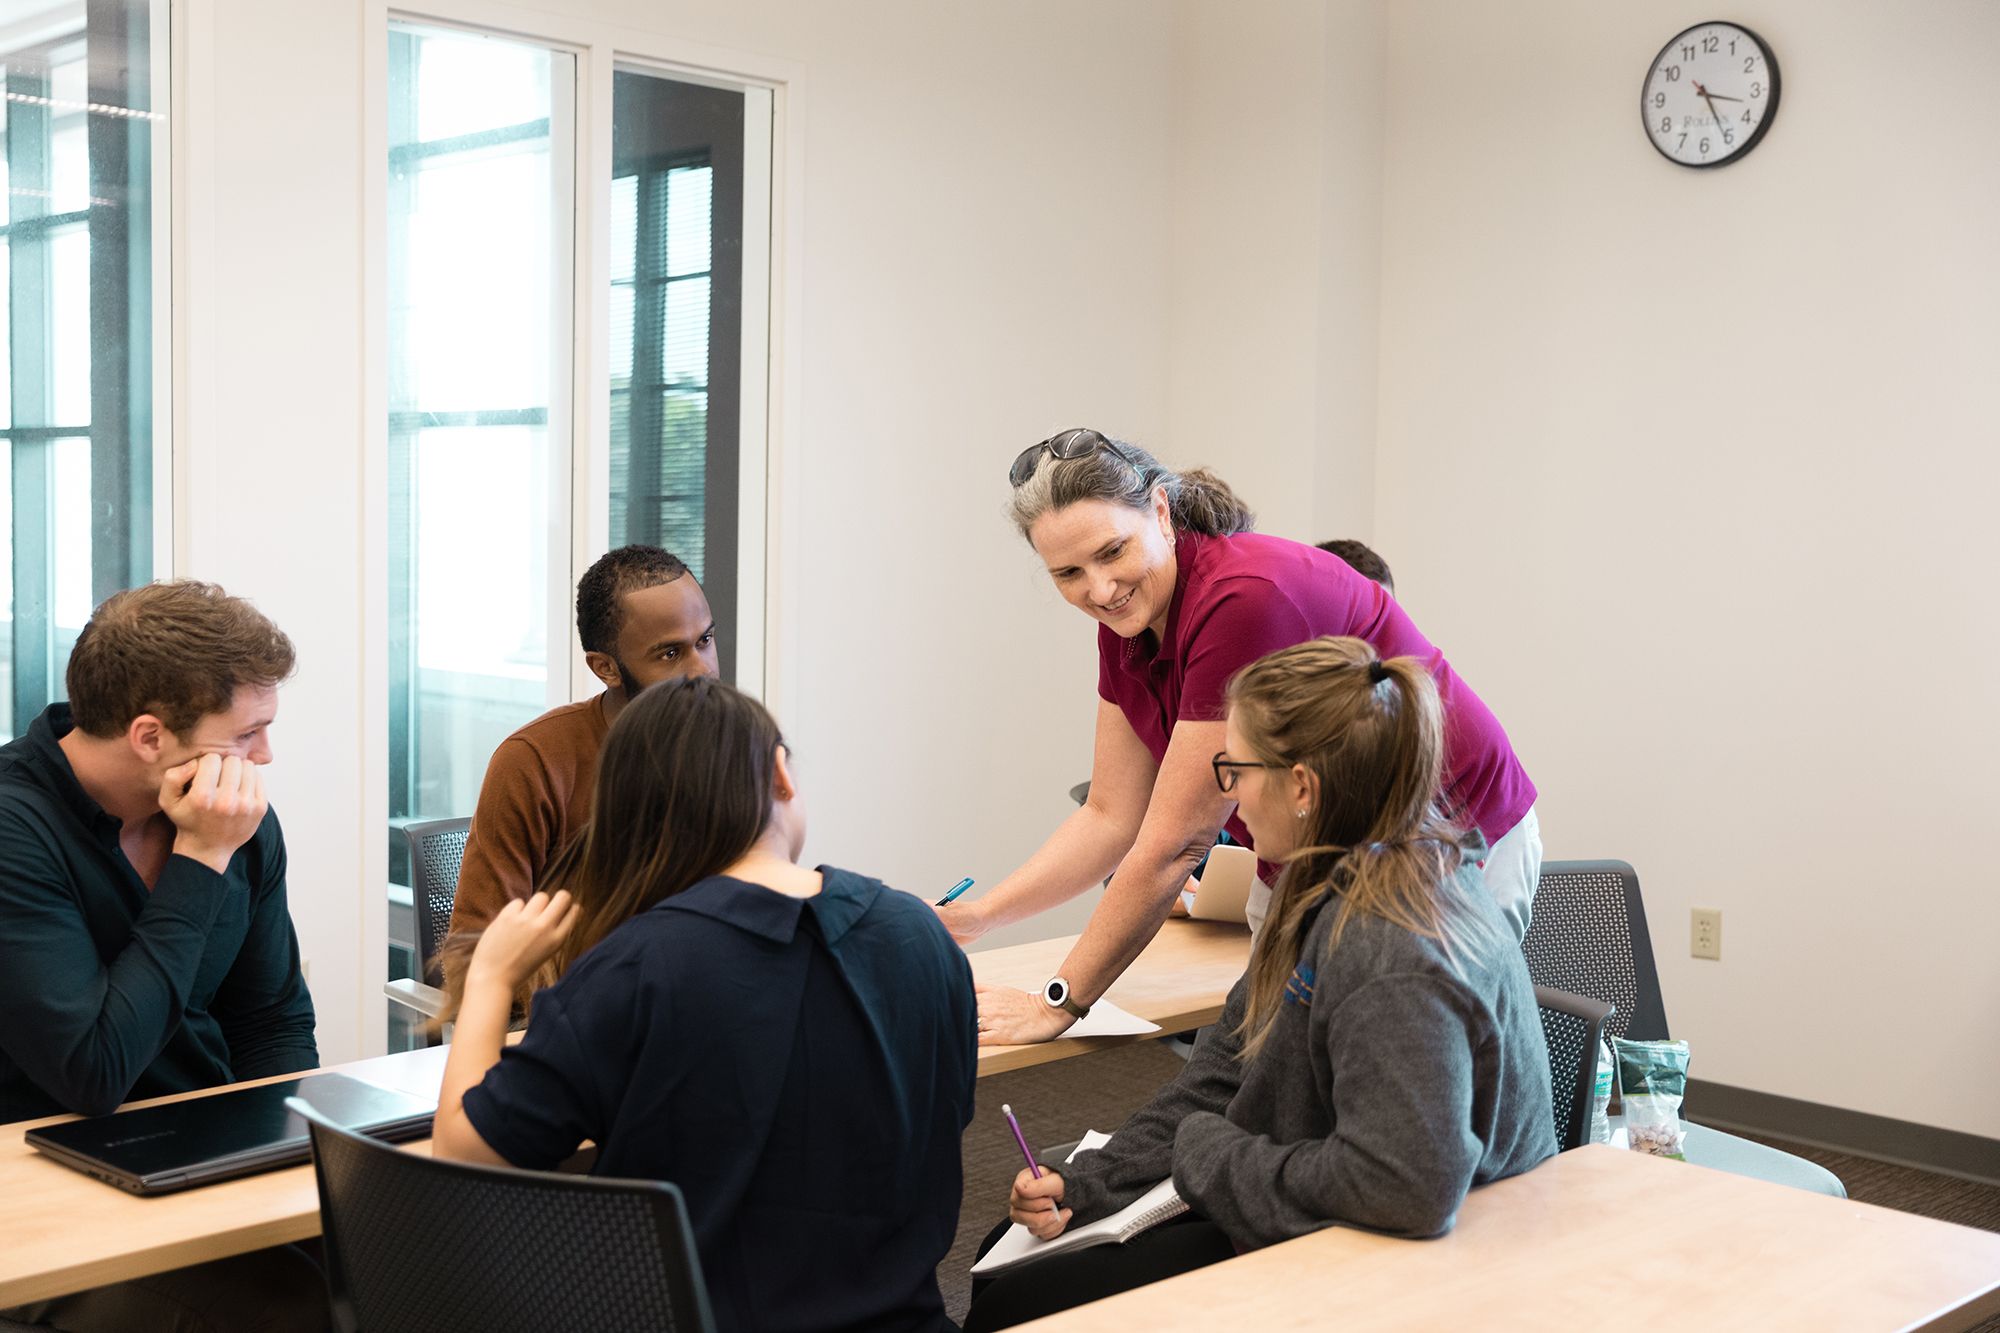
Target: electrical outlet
(1707, 933)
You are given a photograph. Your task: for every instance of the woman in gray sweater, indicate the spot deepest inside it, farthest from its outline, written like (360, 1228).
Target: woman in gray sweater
(1382, 1055)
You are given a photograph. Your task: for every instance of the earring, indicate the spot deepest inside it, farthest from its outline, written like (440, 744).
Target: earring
(1300, 813)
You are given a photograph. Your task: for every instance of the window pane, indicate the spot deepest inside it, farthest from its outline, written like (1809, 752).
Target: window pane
(690, 200)
(83, 142)
(73, 601)
(676, 334)
(69, 324)
(480, 187)
(687, 334)
(477, 280)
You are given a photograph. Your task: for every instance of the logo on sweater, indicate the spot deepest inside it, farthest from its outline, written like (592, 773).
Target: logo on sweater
(1299, 988)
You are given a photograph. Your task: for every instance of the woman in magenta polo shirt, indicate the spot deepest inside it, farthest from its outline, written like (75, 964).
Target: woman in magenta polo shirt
(1184, 596)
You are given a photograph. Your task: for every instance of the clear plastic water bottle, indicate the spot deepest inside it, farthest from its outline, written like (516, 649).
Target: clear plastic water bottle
(1600, 1122)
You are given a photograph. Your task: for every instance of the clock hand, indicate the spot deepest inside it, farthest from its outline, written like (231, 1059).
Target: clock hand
(1717, 115)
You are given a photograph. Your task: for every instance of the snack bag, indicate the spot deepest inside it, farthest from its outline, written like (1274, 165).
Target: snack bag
(1600, 1123)
(1652, 1080)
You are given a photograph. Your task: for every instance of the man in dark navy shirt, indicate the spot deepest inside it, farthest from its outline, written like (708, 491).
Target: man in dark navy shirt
(145, 943)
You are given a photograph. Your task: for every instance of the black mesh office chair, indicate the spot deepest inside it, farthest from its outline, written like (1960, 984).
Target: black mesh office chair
(437, 848)
(1572, 1024)
(416, 1244)
(1589, 937)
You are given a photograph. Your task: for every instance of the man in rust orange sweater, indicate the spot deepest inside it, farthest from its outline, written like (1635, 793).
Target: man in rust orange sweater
(642, 619)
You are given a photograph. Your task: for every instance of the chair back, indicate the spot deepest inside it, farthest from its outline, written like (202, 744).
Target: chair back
(416, 1244)
(1572, 1024)
(1588, 937)
(437, 849)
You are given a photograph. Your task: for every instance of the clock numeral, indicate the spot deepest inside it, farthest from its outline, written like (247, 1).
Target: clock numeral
(1729, 136)
(1704, 148)
(1756, 90)
(1710, 45)
(1747, 120)
(1659, 100)
(1673, 73)
(1682, 144)
(1687, 53)
(1666, 124)
(1732, 46)
(1749, 63)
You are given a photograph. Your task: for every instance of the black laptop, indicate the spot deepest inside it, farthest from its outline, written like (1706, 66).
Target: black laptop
(160, 1149)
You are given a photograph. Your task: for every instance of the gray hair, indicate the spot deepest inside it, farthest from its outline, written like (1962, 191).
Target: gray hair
(1197, 501)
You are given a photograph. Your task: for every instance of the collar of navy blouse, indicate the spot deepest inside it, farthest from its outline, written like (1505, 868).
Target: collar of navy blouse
(842, 900)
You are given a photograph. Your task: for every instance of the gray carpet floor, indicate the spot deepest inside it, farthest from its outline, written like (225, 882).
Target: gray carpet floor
(1057, 1102)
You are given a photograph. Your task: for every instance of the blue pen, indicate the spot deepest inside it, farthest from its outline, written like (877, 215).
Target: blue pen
(956, 890)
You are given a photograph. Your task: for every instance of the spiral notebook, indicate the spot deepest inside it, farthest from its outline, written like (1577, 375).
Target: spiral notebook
(1158, 1204)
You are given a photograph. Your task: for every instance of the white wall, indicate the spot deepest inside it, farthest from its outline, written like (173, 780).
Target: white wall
(1277, 144)
(1692, 474)
(269, 303)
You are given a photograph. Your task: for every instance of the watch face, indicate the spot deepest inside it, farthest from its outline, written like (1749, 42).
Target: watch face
(1055, 992)
(1710, 95)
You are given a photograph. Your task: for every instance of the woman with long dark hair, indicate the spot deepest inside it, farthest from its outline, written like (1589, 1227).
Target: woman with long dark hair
(1382, 1055)
(1185, 595)
(793, 1048)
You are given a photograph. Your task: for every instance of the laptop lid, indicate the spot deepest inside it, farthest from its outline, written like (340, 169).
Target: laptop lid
(159, 1149)
(1223, 891)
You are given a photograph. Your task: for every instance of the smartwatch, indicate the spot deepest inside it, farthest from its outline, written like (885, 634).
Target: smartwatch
(1056, 995)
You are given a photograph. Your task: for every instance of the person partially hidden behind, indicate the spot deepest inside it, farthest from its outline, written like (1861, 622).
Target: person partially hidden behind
(1382, 1055)
(1362, 560)
(642, 619)
(146, 946)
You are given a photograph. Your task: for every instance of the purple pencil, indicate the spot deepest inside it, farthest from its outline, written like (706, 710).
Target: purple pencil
(1015, 1125)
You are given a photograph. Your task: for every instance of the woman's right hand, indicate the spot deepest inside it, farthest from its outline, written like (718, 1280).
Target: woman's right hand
(963, 920)
(1037, 1204)
(522, 937)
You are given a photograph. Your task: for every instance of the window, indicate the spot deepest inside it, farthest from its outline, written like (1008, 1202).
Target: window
(487, 534)
(677, 191)
(84, 147)
(481, 196)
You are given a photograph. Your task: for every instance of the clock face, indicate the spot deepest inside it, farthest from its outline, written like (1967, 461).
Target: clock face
(1710, 95)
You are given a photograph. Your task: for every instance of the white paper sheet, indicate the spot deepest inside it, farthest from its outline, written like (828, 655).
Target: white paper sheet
(1108, 1020)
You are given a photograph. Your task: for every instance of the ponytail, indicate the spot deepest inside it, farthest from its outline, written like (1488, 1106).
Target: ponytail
(1372, 733)
(1199, 501)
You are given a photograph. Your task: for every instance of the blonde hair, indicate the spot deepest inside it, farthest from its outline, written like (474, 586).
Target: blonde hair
(1377, 839)
(1198, 500)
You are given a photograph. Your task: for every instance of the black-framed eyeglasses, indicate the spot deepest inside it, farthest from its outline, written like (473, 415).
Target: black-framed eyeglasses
(1227, 768)
(1063, 444)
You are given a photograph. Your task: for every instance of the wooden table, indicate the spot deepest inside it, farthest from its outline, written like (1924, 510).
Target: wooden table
(1598, 1237)
(1179, 982)
(61, 1231)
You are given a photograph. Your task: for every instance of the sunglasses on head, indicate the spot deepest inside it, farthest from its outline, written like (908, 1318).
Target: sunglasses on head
(1062, 445)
